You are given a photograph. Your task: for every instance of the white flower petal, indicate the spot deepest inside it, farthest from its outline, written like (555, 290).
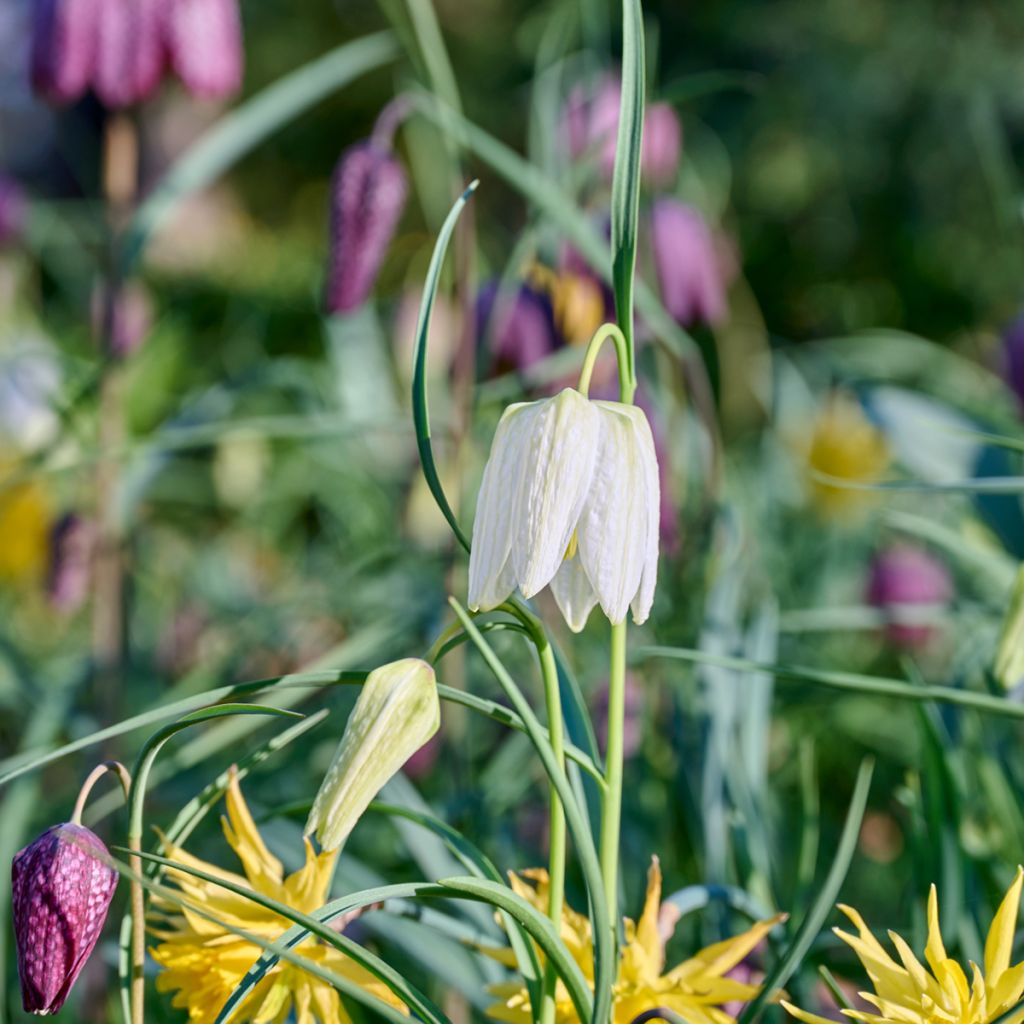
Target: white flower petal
(562, 449)
(648, 459)
(573, 593)
(491, 577)
(615, 526)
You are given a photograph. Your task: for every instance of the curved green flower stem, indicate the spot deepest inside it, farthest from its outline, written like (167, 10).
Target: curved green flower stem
(611, 798)
(627, 382)
(138, 910)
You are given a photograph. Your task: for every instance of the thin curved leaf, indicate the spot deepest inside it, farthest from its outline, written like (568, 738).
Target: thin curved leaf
(420, 408)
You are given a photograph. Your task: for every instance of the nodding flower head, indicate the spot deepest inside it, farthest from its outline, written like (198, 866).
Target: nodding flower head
(569, 498)
(368, 195)
(516, 325)
(904, 581)
(690, 269)
(121, 49)
(62, 886)
(204, 45)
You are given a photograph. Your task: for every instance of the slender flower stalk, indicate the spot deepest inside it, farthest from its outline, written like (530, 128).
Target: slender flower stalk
(611, 808)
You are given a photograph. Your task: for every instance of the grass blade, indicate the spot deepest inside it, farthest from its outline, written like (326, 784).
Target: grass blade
(420, 409)
(822, 905)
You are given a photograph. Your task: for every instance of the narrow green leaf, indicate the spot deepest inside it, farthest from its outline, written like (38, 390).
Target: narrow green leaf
(420, 410)
(811, 925)
(626, 178)
(848, 681)
(239, 132)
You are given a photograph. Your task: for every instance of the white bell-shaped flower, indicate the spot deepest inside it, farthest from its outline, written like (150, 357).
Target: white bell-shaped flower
(569, 498)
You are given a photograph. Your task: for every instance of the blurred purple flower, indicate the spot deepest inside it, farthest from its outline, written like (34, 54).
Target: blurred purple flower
(129, 56)
(518, 324)
(204, 45)
(690, 268)
(13, 210)
(63, 47)
(369, 191)
(61, 891)
(1013, 357)
(633, 727)
(72, 542)
(133, 318)
(591, 125)
(902, 576)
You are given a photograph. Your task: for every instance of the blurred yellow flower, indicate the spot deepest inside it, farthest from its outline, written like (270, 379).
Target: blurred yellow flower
(909, 993)
(846, 445)
(25, 520)
(203, 962)
(577, 302)
(696, 989)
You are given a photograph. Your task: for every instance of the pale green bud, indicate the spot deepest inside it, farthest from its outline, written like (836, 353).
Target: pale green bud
(397, 712)
(1009, 665)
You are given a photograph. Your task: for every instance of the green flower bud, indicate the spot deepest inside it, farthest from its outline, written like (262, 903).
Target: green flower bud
(397, 712)
(1009, 665)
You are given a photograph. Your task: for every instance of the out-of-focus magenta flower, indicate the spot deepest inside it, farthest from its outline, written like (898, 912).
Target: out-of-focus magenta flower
(128, 61)
(13, 210)
(517, 325)
(63, 47)
(368, 195)
(133, 318)
(591, 125)
(691, 271)
(902, 579)
(1013, 357)
(72, 543)
(61, 891)
(122, 48)
(204, 45)
(633, 727)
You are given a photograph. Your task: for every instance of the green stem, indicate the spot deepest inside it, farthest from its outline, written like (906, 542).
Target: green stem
(611, 806)
(138, 909)
(627, 384)
(556, 857)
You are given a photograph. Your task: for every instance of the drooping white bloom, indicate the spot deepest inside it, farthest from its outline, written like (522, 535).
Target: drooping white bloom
(397, 712)
(569, 497)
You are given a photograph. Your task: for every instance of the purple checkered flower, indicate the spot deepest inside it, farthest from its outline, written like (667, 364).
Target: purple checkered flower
(517, 325)
(63, 47)
(13, 210)
(61, 891)
(128, 59)
(368, 195)
(904, 580)
(72, 544)
(689, 265)
(1013, 357)
(204, 45)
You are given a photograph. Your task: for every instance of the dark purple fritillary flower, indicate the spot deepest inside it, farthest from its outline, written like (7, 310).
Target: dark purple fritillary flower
(901, 577)
(204, 43)
(63, 48)
(1013, 357)
(368, 195)
(517, 325)
(689, 266)
(13, 210)
(129, 58)
(61, 891)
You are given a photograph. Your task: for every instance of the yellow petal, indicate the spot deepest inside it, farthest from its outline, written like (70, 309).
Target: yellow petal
(647, 929)
(262, 868)
(807, 1018)
(999, 943)
(713, 961)
(935, 951)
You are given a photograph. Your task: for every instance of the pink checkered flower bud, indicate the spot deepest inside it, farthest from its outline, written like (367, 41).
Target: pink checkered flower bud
(63, 47)
(204, 44)
(691, 271)
(62, 888)
(904, 582)
(368, 195)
